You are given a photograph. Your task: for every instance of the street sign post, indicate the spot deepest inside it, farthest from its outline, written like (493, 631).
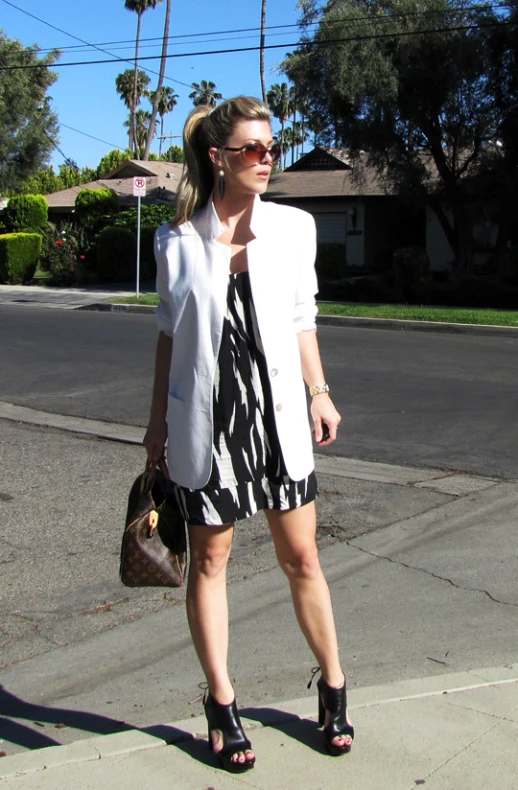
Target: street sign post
(139, 191)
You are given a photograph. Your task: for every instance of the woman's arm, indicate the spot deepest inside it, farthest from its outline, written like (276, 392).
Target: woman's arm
(156, 434)
(323, 411)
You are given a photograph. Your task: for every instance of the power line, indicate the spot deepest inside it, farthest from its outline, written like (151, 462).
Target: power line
(91, 135)
(86, 43)
(309, 43)
(368, 18)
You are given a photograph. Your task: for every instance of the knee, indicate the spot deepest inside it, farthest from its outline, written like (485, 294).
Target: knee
(303, 564)
(210, 563)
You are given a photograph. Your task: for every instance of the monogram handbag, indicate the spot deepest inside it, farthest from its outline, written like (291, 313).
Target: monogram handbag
(154, 544)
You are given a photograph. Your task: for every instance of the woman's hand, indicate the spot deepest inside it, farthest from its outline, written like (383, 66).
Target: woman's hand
(155, 439)
(324, 416)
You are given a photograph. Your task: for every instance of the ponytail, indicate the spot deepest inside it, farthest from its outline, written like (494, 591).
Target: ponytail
(206, 128)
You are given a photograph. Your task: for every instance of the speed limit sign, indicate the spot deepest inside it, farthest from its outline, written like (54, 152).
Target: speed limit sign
(139, 186)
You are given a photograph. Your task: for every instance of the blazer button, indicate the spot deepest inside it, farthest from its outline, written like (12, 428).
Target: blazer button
(273, 372)
(278, 407)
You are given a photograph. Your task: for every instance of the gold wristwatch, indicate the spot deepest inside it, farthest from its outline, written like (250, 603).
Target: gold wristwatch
(318, 389)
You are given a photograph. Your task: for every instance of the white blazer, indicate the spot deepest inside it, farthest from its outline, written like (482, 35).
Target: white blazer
(192, 280)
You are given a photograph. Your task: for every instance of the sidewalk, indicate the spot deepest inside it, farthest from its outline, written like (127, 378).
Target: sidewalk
(451, 731)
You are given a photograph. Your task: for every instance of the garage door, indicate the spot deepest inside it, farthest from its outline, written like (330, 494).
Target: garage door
(331, 228)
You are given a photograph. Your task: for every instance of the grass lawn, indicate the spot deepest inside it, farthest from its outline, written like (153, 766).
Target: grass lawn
(461, 315)
(404, 312)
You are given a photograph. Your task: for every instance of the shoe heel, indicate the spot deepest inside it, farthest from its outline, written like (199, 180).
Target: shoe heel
(321, 712)
(209, 738)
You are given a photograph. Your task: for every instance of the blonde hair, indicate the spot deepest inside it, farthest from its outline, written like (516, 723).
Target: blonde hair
(204, 129)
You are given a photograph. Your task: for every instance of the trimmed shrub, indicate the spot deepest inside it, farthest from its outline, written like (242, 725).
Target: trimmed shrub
(92, 204)
(411, 273)
(27, 213)
(147, 253)
(19, 253)
(331, 261)
(116, 255)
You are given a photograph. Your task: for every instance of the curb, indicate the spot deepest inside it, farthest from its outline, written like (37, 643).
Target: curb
(402, 325)
(131, 741)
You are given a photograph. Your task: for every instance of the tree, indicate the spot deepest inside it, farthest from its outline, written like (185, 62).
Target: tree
(173, 154)
(142, 119)
(111, 161)
(261, 48)
(158, 93)
(279, 101)
(139, 7)
(204, 93)
(28, 125)
(166, 104)
(406, 81)
(125, 86)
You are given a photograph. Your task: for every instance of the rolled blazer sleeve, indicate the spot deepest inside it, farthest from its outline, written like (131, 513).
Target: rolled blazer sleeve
(306, 310)
(163, 311)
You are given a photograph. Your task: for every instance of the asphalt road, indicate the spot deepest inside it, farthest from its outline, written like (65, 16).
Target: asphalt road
(416, 398)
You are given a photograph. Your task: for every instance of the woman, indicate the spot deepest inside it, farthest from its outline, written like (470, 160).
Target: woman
(237, 338)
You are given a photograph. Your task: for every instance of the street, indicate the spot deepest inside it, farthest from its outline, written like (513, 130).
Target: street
(405, 397)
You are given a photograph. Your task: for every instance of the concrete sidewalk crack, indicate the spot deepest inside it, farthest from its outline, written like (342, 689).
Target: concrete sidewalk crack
(431, 573)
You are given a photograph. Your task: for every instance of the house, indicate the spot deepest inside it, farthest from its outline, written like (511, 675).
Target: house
(353, 207)
(162, 179)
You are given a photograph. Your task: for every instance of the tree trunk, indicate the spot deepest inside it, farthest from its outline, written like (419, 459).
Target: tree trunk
(163, 60)
(261, 48)
(134, 103)
(161, 135)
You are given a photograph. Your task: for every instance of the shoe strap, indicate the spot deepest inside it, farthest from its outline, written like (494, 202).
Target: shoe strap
(314, 672)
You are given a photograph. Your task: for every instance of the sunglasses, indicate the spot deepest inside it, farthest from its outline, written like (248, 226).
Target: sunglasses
(254, 153)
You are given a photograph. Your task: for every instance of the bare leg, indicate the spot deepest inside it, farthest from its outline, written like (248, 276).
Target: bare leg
(207, 612)
(294, 536)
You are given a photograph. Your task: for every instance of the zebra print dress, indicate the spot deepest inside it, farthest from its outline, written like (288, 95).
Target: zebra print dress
(248, 472)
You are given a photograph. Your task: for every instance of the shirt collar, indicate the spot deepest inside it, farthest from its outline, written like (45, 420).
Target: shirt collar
(209, 224)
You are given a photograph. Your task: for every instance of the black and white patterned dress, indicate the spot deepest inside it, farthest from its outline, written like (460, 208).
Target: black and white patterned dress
(248, 472)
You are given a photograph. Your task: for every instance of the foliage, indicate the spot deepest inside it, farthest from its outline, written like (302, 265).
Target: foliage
(330, 261)
(19, 253)
(26, 213)
(65, 254)
(92, 204)
(28, 125)
(149, 215)
(116, 255)
(173, 154)
(411, 273)
(111, 161)
(406, 81)
(141, 121)
(147, 252)
(204, 93)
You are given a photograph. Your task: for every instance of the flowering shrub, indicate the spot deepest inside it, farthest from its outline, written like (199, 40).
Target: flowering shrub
(64, 254)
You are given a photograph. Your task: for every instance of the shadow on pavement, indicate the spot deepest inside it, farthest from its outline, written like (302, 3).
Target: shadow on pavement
(304, 731)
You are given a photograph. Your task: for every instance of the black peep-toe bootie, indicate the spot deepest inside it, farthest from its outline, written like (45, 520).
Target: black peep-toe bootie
(333, 701)
(225, 718)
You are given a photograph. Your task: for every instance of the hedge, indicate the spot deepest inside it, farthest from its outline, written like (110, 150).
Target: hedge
(19, 253)
(27, 213)
(116, 255)
(92, 204)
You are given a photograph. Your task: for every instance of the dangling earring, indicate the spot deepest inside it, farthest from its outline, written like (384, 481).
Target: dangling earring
(221, 184)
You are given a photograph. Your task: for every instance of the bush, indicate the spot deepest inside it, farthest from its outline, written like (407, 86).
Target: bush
(92, 204)
(116, 255)
(147, 253)
(149, 215)
(27, 213)
(367, 288)
(331, 261)
(64, 254)
(411, 268)
(19, 253)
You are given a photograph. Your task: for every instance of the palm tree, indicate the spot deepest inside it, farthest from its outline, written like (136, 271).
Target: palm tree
(127, 89)
(166, 103)
(159, 89)
(140, 7)
(261, 48)
(279, 101)
(204, 93)
(142, 118)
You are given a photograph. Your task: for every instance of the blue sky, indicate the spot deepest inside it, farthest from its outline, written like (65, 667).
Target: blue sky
(84, 97)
